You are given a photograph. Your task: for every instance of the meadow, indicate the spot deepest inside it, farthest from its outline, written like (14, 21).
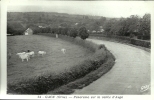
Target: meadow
(54, 62)
(83, 63)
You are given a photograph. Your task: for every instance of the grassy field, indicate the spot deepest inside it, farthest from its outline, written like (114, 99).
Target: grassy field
(54, 61)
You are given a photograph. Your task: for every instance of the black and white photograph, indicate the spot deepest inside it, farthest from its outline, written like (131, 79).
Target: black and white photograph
(78, 48)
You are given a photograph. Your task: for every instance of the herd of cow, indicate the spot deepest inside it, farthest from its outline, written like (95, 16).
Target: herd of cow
(27, 55)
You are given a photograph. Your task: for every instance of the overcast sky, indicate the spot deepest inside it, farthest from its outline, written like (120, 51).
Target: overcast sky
(101, 8)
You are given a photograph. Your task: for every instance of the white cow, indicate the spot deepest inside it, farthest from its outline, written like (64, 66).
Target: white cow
(63, 50)
(31, 53)
(23, 56)
(41, 53)
(20, 53)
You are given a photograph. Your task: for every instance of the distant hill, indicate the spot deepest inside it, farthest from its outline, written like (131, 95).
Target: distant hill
(53, 19)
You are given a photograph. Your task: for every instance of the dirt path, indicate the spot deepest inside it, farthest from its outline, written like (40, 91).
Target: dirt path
(129, 74)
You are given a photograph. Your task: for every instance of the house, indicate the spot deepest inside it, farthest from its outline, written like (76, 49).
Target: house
(41, 27)
(29, 31)
(101, 30)
(76, 23)
(93, 31)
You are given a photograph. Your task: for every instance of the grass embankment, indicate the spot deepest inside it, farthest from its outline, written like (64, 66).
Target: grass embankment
(77, 76)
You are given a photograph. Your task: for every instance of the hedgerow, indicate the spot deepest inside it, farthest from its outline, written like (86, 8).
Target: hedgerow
(137, 42)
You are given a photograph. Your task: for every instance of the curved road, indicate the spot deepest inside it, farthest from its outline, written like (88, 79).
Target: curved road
(129, 75)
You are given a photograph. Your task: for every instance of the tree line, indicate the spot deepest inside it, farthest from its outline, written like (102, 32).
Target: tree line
(72, 32)
(69, 31)
(130, 27)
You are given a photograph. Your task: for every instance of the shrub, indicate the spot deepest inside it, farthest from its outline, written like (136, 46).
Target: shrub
(140, 43)
(101, 46)
(83, 34)
(147, 37)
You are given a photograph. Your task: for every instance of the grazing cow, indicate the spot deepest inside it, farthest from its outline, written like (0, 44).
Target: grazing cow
(30, 53)
(63, 50)
(20, 53)
(41, 53)
(23, 56)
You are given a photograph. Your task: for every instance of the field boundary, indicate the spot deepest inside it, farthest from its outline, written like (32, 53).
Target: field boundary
(101, 58)
(141, 44)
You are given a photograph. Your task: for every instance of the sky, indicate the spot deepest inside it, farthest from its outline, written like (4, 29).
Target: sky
(99, 8)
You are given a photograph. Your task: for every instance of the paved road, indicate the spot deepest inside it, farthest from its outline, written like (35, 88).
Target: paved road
(129, 75)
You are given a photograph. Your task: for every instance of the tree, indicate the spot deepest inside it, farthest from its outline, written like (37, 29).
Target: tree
(144, 27)
(15, 28)
(73, 33)
(63, 31)
(119, 27)
(132, 24)
(54, 30)
(83, 33)
(122, 26)
(102, 20)
(108, 26)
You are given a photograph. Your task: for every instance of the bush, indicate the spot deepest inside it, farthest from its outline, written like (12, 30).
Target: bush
(141, 43)
(123, 39)
(83, 34)
(147, 37)
(101, 46)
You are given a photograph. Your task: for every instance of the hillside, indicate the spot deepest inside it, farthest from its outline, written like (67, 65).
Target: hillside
(52, 19)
